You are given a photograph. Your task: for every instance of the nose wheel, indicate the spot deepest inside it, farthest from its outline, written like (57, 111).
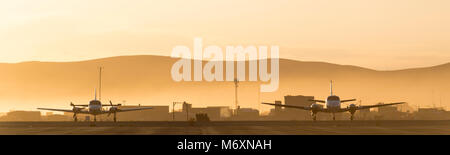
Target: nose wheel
(334, 117)
(351, 117)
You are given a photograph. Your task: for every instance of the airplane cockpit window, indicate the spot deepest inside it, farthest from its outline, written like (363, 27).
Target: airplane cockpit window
(333, 98)
(95, 103)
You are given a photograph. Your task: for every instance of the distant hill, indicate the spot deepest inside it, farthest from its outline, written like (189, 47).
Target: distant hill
(147, 80)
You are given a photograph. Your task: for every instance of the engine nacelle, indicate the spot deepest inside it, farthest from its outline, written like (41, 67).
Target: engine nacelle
(316, 107)
(113, 109)
(352, 108)
(75, 109)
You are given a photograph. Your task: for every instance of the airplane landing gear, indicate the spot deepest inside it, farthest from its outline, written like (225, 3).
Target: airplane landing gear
(314, 116)
(115, 119)
(75, 119)
(352, 115)
(95, 118)
(334, 117)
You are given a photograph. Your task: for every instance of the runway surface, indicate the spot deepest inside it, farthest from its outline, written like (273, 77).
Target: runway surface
(385, 127)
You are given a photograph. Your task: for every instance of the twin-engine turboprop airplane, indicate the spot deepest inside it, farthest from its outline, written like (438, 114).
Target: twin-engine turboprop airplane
(333, 105)
(95, 107)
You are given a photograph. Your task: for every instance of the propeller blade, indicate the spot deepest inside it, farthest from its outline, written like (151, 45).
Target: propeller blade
(111, 108)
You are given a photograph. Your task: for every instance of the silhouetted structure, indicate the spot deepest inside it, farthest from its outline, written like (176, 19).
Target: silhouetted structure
(364, 114)
(157, 113)
(279, 113)
(22, 116)
(201, 117)
(246, 114)
(431, 114)
(299, 100)
(56, 117)
(215, 113)
(390, 113)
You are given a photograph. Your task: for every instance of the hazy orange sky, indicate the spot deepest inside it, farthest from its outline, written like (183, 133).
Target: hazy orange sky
(378, 34)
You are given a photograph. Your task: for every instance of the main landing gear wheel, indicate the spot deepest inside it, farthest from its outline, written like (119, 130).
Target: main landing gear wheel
(75, 119)
(115, 119)
(314, 116)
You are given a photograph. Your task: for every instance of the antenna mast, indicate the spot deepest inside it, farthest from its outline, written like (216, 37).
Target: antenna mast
(236, 82)
(331, 87)
(100, 84)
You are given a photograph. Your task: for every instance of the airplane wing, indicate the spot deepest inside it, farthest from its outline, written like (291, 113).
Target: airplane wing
(288, 106)
(80, 105)
(320, 101)
(62, 110)
(342, 101)
(133, 109)
(109, 105)
(378, 105)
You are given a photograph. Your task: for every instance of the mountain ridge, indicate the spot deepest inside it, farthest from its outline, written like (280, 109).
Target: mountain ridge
(286, 59)
(146, 79)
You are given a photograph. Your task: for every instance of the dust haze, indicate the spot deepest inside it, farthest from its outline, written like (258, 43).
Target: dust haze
(146, 79)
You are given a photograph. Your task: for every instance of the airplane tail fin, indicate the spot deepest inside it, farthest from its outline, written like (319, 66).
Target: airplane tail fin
(331, 87)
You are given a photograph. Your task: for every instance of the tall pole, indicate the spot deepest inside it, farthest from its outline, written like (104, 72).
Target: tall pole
(173, 111)
(187, 111)
(100, 84)
(236, 82)
(184, 106)
(259, 99)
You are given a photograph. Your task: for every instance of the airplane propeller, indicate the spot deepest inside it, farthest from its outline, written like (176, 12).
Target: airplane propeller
(75, 110)
(113, 108)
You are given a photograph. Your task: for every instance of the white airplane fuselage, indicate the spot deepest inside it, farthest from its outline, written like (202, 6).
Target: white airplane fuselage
(333, 103)
(95, 107)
